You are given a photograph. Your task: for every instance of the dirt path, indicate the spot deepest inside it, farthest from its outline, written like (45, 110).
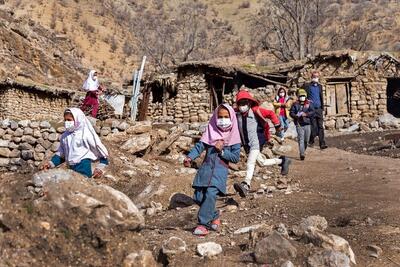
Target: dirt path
(357, 194)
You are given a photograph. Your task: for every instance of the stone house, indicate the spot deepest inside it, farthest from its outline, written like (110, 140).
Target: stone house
(358, 87)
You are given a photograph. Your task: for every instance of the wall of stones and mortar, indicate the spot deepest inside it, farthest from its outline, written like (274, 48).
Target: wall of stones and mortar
(28, 143)
(20, 104)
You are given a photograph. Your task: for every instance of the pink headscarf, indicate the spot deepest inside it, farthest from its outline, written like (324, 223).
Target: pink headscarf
(213, 133)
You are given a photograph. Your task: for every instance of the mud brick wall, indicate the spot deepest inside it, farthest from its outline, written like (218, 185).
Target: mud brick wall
(19, 104)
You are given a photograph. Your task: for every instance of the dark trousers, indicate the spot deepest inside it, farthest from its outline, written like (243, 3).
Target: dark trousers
(206, 197)
(91, 101)
(317, 127)
(84, 167)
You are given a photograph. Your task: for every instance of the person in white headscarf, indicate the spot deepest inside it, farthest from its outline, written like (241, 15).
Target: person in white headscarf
(80, 146)
(93, 89)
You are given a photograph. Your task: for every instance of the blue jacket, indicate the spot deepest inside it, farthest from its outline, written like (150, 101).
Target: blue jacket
(214, 169)
(306, 108)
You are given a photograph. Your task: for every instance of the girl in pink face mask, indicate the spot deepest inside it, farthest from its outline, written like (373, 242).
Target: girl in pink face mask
(282, 103)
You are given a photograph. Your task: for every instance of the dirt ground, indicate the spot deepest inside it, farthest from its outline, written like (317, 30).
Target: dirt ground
(357, 194)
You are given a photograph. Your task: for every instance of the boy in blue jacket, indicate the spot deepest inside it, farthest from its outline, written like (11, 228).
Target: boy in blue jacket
(221, 141)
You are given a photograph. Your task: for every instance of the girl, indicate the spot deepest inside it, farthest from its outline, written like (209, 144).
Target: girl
(93, 89)
(221, 141)
(302, 112)
(282, 107)
(79, 146)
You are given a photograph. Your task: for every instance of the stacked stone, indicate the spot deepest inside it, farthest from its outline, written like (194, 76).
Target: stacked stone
(19, 104)
(26, 142)
(192, 103)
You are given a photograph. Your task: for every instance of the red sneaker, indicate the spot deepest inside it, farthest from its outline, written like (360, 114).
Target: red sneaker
(200, 230)
(216, 224)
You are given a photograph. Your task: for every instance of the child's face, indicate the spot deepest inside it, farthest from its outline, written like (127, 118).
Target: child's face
(223, 114)
(68, 117)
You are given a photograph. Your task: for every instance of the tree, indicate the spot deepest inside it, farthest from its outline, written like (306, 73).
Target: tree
(287, 28)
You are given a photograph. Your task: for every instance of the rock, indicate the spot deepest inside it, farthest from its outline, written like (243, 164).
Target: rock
(106, 206)
(5, 123)
(25, 146)
(38, 156)
(34, 125)
(374, 124)
(330, 241)
(39, 148)
(140, 127)
(18, 132)
(387, 121)
(231, 208)
(209, 249)
(15, 153)
(173, 246)
(274, 249)
(27, 154)
(143, 258)
(45, 143)
(28, 131)
(130, 173)
(53, 137)
(364, 127)
(44, 125)
(4, 162)
(186, 171)
(7, 137)
(55, 146)
(374, 251)
(24, 123)
(339, 123)
(137, 144)
(37, 133)
(4, 143)
(105, 131)
(4, 152)
(282, 230)
(179, 200)
(92, 120)
(123, 126)
(184, 143)
(328, 258)
(281, 149)
(45, 225)
(13, 125)
(17, 140)
(139, 162)
(60, 130)
(291, 132)
(28, 139)
(315, 221)
(247, 229)
(287, 264)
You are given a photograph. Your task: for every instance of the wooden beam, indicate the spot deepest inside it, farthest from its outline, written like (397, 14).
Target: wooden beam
(264, 79)
(223, 92)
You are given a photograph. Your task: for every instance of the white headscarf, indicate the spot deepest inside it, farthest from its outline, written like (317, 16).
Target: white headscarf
(82, 143)
(90, 84)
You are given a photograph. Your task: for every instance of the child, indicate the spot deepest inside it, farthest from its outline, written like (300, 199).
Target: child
(79, 146)
(93, 89)
(302, 112)
(282, 107)
(221, 141)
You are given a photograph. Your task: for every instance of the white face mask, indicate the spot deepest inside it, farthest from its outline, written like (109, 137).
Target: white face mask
(315, 80)
(302, 98)
(224, 123)
(281, 94)
(244, 108)
(69, 126)
(94, 78)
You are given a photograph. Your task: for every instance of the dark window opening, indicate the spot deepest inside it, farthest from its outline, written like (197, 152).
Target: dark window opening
(393, 96)
(254, 82)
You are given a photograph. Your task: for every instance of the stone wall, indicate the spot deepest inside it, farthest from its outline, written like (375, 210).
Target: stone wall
(19, 104)
(29, 143)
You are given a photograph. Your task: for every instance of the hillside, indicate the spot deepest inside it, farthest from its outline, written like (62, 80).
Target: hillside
(112, 36)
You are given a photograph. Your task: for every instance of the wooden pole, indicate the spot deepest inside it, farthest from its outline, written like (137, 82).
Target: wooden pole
(136, 91)
(223, 92)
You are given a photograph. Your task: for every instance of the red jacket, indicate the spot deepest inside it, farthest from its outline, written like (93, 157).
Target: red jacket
(262, 113)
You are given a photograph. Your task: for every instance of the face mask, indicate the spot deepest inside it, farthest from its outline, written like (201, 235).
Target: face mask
(281, 94)
(69, 126)
(244, 108)
(94, 78)
(302, 98)
(224, 123)
(315, 80)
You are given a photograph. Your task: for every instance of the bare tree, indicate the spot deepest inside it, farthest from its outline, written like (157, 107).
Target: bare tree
(287, 28)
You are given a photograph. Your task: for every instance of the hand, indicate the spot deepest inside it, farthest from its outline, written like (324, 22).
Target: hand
(219, 145)
(304, 114)
(187, 162)
(97, 173)
(283, 105)
(45, 166)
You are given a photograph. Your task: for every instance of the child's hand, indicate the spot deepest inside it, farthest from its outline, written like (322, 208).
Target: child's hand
(97, 173)
(304, 114)
(45, 166)
(219, 145)
(187, 162)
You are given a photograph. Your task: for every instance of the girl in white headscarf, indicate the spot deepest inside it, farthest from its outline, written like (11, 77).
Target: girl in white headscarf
(91, 86)
(80, 146)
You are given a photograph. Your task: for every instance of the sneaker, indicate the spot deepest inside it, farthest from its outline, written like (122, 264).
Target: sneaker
(302, 157)
(285, 165)
(201, 231)
(216, 224)
(242, 189)
(323, 147)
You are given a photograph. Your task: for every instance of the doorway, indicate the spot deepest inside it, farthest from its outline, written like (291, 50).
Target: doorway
(393, 96)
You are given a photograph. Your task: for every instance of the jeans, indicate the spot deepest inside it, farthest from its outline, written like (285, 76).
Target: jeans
(206, 197)
(303, 137)
(285, 125)
(317, 122)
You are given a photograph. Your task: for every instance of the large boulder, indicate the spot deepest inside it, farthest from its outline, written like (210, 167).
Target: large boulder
(139, 127)
(143, 258)
(69, 190)
(209, 249)
(173, 246)
(314, 221)
(387, 120)
(274, 249)
(137, 144)
(328, 258)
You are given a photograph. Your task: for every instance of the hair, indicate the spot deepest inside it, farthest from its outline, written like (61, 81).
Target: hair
(222, 107)
(314, 72)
